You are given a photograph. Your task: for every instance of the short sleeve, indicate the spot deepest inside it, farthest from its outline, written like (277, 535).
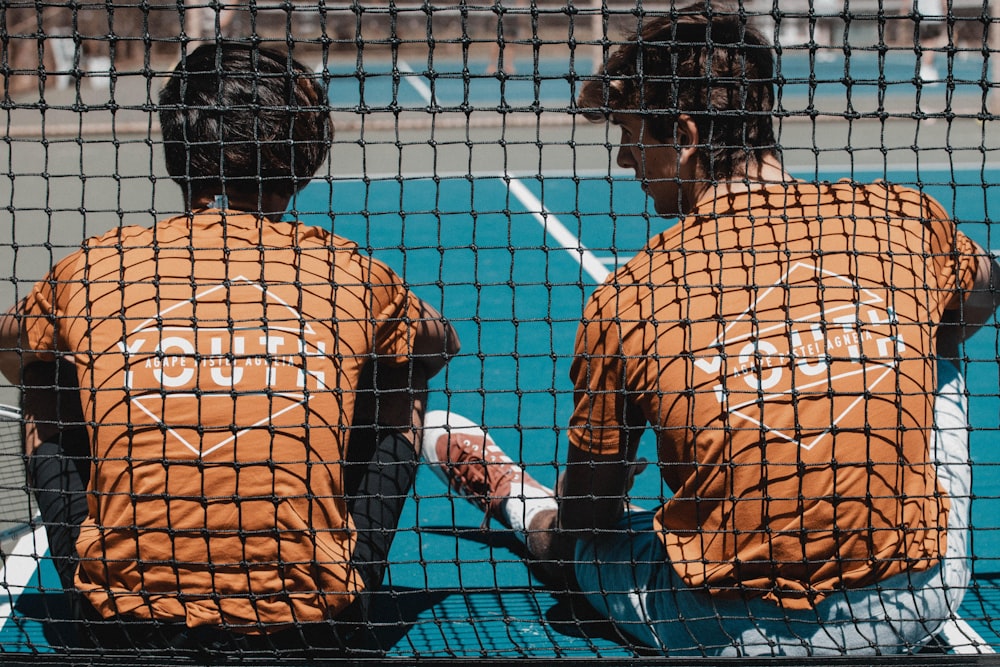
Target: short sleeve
(43, 308)
(949, 256)
(396, 313)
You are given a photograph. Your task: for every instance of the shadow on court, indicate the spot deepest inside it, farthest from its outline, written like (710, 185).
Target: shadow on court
(407, 620)
(542, 619)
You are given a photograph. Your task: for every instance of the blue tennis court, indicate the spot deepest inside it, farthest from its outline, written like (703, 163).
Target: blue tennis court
(513, 277)
(864, 81)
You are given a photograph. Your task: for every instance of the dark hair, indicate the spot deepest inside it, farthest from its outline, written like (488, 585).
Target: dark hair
(239, 118)
(702, 61)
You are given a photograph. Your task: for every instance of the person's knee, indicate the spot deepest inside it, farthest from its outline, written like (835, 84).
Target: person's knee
(552, 550)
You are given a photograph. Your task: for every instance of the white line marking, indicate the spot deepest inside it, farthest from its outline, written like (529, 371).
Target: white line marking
(565, 239)
(962, 639)
(415, 80)
(614, 260)
(18, 569)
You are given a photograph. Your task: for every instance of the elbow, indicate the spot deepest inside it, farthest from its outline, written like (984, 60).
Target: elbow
(438, 348)
(452, 343)
(982, 304)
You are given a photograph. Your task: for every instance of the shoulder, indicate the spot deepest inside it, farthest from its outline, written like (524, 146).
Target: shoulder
(902, 199)
(623, 294)
(316, 236)
(347, 257)
(112, 243)
(117, 237)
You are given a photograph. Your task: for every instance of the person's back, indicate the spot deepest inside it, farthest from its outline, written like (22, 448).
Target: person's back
(790, 379)
(227, 363)
(217, 460)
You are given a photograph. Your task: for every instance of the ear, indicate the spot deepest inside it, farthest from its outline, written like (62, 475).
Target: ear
(688, 165)
(686, 135)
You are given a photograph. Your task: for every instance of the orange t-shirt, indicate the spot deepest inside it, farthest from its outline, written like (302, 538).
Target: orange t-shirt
(781, 345)
(217, 358)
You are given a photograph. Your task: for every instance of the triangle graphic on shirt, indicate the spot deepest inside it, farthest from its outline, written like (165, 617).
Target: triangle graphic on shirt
(158, 407)
(745, 328)
(213, 355)
(184, 311)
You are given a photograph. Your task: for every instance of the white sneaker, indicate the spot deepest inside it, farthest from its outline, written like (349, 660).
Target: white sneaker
(473, 466)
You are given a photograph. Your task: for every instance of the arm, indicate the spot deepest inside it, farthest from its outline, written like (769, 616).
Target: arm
(50, 400)
(963, 318)
(593, 490)
(15, 352)
(390, 398)
(605, 427)
(395, 395)
(984, 298)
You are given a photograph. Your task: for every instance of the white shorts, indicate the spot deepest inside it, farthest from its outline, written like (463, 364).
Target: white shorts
(631, 582)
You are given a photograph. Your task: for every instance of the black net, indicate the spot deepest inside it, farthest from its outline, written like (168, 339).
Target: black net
(208, 454)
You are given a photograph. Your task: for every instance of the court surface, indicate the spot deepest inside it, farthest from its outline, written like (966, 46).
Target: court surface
(511, 260)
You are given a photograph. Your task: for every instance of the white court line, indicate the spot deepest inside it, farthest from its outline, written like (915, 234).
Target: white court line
(565, 239)
(962, 639)
(418, 83)
(18, 569)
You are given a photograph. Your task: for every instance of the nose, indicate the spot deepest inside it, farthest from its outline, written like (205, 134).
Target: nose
(624, 159)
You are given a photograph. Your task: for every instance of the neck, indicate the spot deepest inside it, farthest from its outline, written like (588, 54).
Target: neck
(269, 205)
(769, 171)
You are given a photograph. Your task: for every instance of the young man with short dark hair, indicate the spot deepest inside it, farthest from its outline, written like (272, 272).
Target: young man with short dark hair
(232, 368)
(781, 342)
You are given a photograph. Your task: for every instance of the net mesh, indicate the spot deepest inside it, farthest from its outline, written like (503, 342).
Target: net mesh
(462, 160)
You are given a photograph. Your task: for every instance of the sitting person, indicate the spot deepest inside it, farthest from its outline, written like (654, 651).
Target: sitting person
(782, 342)
(250, 387)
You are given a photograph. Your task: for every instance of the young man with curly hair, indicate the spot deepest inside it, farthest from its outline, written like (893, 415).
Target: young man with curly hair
(787, 342)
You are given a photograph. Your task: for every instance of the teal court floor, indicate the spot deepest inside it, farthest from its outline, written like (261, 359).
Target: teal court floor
(856, 81)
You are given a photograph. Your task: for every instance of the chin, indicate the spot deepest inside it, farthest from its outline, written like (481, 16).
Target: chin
(665, 211)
